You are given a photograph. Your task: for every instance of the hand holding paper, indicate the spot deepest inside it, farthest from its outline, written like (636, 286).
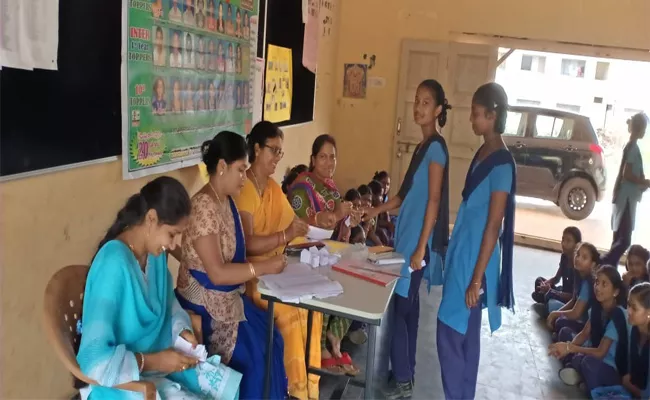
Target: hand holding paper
(424, 264)
(199, 352)
(316, 233)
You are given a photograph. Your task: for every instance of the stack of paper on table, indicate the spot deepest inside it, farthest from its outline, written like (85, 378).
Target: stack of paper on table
(300, 282)
(386, 258)
(382, 276)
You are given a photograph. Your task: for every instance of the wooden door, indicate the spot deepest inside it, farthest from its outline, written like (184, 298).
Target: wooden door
(461, 69)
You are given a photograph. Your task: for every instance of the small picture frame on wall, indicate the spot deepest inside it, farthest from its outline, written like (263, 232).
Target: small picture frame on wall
(355, 77)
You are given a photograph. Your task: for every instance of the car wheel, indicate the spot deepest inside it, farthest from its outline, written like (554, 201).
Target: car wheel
(577, 198)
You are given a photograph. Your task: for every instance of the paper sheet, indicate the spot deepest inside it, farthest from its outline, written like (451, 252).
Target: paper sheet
(299, 282)
(310, 38)
(199, 352)
(29, 33)
(316, 233)
(257, 92)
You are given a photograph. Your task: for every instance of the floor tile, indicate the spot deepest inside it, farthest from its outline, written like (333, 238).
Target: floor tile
(514, 364)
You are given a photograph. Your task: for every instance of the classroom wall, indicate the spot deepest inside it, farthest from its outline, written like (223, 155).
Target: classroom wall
(57, 219)
(364, 128)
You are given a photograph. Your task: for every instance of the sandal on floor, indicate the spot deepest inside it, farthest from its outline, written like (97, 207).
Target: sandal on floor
(345, 362)
(332, 366)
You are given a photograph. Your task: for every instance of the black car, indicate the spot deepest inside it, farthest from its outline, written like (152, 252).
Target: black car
(558, 158)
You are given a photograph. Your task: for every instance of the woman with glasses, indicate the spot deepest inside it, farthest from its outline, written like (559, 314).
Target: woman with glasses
(269, 223)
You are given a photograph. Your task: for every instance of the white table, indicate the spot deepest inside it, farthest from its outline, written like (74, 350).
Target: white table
(361, 301)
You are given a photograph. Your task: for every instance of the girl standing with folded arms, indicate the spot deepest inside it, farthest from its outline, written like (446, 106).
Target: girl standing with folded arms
(478, 269)
(422, 229)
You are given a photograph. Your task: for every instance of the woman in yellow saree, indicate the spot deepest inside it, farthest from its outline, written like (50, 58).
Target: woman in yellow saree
(269, 224)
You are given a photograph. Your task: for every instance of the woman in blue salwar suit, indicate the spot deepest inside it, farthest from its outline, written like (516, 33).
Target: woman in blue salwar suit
(478, 268)
(131, 318)
(422, 230)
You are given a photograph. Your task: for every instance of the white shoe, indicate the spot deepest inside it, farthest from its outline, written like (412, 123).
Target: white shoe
(570, 376)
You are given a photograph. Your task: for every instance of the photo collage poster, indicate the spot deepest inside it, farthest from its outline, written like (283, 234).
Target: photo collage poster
(186, 76)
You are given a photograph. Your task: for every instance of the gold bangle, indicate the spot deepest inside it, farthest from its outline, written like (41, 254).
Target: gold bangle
(252, 269)
(284, 236)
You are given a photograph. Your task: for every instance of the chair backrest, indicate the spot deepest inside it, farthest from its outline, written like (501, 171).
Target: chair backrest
(62, 308)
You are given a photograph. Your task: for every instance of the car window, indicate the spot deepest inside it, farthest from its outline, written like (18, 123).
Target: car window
(550, 127)
(516, 124)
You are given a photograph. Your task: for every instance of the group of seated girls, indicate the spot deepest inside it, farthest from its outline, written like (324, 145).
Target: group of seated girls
(229, 233)
(314, 197)
(600, 319)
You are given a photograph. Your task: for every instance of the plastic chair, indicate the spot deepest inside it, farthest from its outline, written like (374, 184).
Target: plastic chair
(61, 310)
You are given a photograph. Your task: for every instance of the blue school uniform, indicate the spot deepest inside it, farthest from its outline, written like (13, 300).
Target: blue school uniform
(411, 218)
(458, 337)
(626, 193)
(638, 361)
(626, 197)
(612, 333)
(407, 235)
(605, 372)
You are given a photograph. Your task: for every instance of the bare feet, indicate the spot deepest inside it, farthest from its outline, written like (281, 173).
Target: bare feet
(336, 344)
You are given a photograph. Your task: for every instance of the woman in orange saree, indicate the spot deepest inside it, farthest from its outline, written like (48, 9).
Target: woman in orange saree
(269, 223)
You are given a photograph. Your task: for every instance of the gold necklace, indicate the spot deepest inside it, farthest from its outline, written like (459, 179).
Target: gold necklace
(215, 194)
(257, 185)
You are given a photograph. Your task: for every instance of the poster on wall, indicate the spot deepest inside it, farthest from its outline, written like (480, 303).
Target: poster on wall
(278, 81)
(355, 81)
(186, 75)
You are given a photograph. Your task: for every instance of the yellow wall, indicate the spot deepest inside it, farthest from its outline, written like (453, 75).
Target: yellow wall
(57, 219)
(364, 128)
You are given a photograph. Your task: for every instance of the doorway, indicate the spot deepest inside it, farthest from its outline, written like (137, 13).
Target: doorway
(554, 92)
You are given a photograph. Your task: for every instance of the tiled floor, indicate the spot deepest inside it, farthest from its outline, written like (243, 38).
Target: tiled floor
(514, 364)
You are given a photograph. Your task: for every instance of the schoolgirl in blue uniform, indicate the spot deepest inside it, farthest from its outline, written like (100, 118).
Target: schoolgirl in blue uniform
(422, 230)
(573, 314)
(478, 269)
(597, 356)
(638, 316)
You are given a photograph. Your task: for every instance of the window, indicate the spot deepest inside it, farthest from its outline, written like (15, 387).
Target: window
(602, 70)
(573, 68)
(284, 28)
(568, 107)
(502, 66)
(533, 63)
(550, 127)
(516, 124)
(598, 100)
(525, 102)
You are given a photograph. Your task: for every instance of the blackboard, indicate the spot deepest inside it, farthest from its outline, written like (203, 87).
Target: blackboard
(284, 28)
(72, 115)
(55, 118)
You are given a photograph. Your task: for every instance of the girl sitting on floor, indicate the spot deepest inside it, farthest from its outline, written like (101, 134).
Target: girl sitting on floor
(546, 290)
(638, 303)
(573, 313)
(598, 354)
(635, 266)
